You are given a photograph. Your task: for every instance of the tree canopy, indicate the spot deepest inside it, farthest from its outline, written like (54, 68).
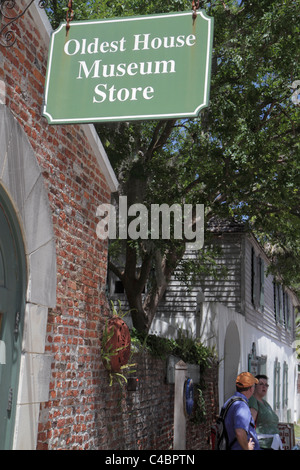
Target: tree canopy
(240, 157)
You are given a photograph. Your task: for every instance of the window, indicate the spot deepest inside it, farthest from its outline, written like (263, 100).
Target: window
(257, 281)
(277, 385)
(119, 288)
(278, 310)
(282, 306)
(253, 276)
(114, 284)
(285, 384)
(286, 311)
(261, 284)
(256, 364)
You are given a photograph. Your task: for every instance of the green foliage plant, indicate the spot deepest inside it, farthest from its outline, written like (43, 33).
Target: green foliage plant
(189, 349)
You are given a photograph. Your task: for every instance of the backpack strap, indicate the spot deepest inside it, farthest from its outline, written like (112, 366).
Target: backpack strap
(224, 412)
(225, 409)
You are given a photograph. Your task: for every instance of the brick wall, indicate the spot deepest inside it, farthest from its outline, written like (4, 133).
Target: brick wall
(120, 419)
(146, 415)
(198, 436)
(83, 411)
(75, 187)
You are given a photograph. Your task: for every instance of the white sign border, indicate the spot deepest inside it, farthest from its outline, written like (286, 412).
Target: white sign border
(142, 117)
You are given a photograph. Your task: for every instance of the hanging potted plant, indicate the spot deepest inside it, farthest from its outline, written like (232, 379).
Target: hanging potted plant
(116, 343)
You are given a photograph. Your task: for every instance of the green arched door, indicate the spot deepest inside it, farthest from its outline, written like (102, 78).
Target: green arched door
(12, 306)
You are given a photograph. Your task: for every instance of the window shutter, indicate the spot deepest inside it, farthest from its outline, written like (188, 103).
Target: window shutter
(262, 284)
(254, 279)
(277, 385)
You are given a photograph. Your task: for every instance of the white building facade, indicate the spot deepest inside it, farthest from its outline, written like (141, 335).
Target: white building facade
(247, 316)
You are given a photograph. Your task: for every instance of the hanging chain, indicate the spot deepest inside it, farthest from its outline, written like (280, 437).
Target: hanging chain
(195, 6)
(70, 14)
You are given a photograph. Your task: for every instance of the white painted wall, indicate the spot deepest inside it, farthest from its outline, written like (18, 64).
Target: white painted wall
(210, 325)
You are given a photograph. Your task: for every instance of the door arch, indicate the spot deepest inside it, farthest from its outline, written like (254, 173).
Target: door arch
(232, 351)
(12, 308)
(24, 191)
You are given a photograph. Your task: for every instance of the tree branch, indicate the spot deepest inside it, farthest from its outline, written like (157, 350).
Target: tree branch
(112, 267)
(158, 140)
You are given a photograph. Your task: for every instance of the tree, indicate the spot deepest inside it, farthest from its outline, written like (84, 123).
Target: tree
(240, 158)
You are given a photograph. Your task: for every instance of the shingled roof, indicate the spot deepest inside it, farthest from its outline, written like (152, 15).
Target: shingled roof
(218, 225)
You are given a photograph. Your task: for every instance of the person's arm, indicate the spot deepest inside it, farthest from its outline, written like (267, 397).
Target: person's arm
(242, 439)
(254, 414)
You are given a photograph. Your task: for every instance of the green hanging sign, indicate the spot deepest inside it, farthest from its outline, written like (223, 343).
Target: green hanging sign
(131, 68)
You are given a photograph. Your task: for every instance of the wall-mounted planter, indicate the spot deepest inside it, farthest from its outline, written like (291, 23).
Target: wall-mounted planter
(118, 344)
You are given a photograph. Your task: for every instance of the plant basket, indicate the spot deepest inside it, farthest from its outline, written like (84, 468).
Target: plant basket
(118, 344)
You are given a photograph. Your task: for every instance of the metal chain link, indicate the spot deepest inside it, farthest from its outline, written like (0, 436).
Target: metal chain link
(195, 6)
(70, 15)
